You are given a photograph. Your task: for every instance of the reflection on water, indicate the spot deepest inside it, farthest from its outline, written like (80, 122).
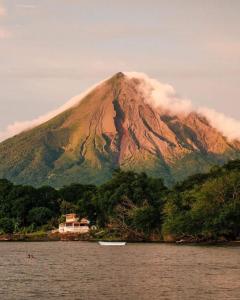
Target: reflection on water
(81, 270)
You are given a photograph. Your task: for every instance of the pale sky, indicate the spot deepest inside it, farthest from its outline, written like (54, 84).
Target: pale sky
(51, 50)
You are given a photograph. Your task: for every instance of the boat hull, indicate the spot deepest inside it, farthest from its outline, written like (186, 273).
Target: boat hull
(112, 243)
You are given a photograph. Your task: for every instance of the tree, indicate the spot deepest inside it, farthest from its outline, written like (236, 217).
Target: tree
(146, 219)
(75, 192)
(6, 225)
(138, 188)
(48, 197)
(68, 207)
(39, 215)
(22, 199)
(5, 204)
(207, 210)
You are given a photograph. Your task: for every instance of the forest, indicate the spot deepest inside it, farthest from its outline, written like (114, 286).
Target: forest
(133, 206)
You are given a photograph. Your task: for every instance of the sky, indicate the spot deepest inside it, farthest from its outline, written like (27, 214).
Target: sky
(51, 50)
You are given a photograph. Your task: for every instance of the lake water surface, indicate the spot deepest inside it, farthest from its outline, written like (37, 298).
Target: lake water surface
(82, 270)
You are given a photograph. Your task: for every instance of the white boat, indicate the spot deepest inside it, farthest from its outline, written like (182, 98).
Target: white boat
(112, 243)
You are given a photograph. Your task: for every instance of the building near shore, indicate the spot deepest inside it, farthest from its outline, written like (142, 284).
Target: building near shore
(73, 225)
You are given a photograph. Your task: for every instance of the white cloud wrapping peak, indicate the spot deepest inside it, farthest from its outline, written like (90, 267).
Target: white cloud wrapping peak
(161, 94)
(164, 96)
(226, 125)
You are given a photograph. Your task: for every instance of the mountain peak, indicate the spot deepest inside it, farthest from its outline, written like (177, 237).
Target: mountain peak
(116, 125)
(119, 75)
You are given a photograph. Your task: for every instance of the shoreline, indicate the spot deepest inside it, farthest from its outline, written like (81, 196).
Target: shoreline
(56, 237)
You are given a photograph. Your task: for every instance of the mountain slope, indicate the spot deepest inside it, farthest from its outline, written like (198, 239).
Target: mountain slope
(114, 126)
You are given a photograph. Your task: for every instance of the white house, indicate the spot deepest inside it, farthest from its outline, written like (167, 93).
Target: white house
(73, 225)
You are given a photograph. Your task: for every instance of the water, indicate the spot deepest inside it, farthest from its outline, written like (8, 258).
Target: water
(81, 270)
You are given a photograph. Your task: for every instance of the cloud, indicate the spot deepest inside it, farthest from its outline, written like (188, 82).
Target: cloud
(3, 11)
(161, 94)
(225, 124)
(164, 96)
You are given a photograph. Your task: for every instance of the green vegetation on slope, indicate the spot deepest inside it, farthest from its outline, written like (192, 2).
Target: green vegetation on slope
(133, 206)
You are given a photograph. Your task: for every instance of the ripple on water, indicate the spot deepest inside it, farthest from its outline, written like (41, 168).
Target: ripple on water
(79, 270)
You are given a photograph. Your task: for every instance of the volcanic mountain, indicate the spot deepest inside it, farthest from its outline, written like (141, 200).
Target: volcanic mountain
(114, 126)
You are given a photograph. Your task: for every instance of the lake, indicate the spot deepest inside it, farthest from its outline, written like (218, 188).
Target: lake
(82, 270)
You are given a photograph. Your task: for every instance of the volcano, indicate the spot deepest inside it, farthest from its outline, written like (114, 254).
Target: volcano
(114, 126)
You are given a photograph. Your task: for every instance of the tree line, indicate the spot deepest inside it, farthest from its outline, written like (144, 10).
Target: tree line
(133, 205)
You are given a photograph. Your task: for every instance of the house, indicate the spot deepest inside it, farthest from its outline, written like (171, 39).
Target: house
(73, 225)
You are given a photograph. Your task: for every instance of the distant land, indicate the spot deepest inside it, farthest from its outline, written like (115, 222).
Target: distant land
(114, 126)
